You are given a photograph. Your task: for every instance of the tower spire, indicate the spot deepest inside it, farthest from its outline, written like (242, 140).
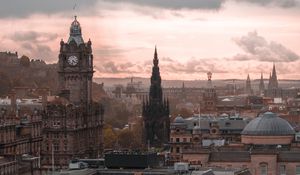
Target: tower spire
(261, 84)
(274, 81)
(248, 86)
(156, 112)
(155, 59)
(155, 88)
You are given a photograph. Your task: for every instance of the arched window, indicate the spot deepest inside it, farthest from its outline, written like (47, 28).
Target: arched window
(263, 168)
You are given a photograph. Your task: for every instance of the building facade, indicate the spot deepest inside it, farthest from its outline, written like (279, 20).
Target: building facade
(20, 135)
(267, 147)
(73, 122)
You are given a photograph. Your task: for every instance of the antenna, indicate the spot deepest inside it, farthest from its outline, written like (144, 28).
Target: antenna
(75, 5)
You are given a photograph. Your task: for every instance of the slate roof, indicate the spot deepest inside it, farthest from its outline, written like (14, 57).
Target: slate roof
(230, 156)
(289, 156)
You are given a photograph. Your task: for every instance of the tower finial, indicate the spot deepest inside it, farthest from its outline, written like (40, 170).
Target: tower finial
(155, 60)
(75, 17)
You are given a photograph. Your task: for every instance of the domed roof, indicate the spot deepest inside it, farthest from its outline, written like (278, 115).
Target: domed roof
(75, 32)
(268, 124)
(179, 119)
(75, 28)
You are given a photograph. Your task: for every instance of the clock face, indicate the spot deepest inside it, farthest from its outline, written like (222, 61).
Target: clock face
(72, 60)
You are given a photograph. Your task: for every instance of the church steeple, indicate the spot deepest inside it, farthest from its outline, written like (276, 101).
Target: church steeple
(274, 77)
(273, 82)
(261, 84)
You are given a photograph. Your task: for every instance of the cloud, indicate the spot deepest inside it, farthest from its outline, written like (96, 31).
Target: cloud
(117, 68)
(193, 66)
(24, 8)
(258, 48)
(33, 36)
(176, 4)
(35, 44)
(203, 4)
(278, 3)
(38, 51)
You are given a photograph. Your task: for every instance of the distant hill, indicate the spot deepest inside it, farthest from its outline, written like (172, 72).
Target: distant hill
(111, 82)
(26, 72)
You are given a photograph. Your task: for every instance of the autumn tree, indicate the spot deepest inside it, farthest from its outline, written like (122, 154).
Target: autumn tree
(110, 137)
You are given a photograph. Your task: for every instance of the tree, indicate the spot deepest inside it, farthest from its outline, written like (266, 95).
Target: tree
(110, 137)
(125, 138)
(25, 61)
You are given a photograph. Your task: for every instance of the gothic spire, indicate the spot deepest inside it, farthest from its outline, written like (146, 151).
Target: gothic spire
(248, 86)
(155, 59)
(261, 84)
(274, 77)
(273, 82)
(155, 93)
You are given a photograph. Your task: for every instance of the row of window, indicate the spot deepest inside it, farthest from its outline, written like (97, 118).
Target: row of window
(57, 147)
(282, 169)
(183, 140)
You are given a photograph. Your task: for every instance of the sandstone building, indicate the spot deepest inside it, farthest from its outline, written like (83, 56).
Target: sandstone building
(73, 122)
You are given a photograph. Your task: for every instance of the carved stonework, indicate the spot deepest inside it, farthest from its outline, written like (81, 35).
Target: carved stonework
(156, 111)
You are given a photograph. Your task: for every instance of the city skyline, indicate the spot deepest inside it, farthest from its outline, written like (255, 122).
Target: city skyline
(228, 38)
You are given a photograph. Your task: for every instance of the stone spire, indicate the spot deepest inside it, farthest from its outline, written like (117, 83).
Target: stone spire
(156, 131)
(274, 77)
(261, 84)
(155, 93)
(273, 82)
(248, 86)
(270, 77)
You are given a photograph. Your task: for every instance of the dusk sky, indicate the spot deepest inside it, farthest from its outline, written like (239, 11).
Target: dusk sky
(230, 38)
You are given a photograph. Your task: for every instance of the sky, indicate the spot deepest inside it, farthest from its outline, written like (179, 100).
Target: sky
(230, 38)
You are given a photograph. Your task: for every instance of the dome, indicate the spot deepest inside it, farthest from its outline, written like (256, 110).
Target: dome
(179, 119)
(268, 124)
(75, 28)
(75, 32)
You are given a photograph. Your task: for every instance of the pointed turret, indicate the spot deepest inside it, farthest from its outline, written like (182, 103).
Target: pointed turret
(273, 82)
(248, 88)
(274, 78)
(270, 81)
(261, 84)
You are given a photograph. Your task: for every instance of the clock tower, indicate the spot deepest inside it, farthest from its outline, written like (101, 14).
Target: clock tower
(76, 67)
